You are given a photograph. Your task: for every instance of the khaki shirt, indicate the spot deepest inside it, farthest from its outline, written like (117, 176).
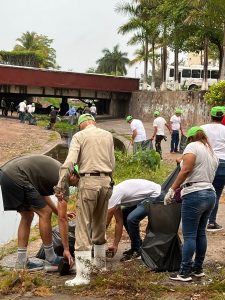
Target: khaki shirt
(93, 150)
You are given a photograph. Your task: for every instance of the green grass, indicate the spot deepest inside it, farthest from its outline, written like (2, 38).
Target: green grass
(128, 168)
(60, 126)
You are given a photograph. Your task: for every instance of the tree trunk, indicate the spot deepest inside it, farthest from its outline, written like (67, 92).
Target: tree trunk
(205, 72)
(176, 71)
(164, 67)
(222, 73)
(153, 67)
(145, 83)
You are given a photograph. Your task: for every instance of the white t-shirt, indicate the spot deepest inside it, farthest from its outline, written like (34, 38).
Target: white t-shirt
(22, 107)
(205, 167)
(133, 191)
(160, 122)
(141, 134)
(30, 108)
(93, 109)
(216, 136)
(175, 122)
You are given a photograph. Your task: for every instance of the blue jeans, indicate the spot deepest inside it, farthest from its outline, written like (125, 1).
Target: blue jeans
(174, 141)
(218, 183)
(195, 211)
(132, 216)
(22, 116)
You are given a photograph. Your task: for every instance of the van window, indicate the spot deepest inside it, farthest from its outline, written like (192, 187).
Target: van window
(196, 73)
(202, 74)
(171, 73)
(186, 73)
(214, 74)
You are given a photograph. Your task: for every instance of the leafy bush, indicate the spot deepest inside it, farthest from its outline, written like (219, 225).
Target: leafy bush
(147, 159)
(216, 94)
(144, 165)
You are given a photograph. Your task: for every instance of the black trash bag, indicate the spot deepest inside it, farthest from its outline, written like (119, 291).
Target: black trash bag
(147, 145)
(161, 248)
(57, 242)
(161, 252)
(170, 180)
(183, 143)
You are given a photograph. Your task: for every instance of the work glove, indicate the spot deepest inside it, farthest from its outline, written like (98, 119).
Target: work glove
(169, 197)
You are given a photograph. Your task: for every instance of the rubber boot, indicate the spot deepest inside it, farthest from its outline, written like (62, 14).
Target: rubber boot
(83, 268)
(100, 257)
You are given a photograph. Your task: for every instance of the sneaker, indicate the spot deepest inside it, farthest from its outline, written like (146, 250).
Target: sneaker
(128, 252)
(181, 277)
(214, 227)
(135, 255)
(53, 266)
(198, 272)
(29, 266)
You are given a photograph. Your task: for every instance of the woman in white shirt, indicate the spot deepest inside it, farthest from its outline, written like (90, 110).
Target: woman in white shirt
(198, 168)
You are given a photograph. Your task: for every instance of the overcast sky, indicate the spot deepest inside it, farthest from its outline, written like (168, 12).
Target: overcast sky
(80, 29)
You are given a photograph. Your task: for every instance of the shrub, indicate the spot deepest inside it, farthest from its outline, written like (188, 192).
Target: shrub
(216, 94)
(143, 164)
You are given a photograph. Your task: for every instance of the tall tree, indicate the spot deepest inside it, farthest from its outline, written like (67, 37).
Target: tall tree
(143, 26)
(40, 44)
(113, 62)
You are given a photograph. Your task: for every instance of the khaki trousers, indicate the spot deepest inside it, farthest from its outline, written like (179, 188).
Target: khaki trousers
(91, 211)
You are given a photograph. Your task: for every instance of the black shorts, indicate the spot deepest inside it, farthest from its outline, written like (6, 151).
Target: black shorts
(18, 197)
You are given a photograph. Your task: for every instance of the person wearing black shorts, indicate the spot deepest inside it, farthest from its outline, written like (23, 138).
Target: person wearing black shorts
(27, 183)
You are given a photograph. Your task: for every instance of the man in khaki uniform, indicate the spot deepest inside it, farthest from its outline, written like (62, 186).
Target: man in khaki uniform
(93, 150)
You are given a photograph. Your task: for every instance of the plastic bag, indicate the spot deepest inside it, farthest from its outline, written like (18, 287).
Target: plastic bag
(57, 242)
(147, 145)
(161, 248)
(183, 143)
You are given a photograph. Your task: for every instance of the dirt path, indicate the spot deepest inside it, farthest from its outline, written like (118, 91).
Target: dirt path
(18, 139)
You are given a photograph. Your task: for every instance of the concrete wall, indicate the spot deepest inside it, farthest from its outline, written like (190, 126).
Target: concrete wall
(119, 105)
(144, 103)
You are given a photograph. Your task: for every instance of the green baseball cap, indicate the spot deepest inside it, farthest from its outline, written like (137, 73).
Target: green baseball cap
(193, 130)
(217, 111)
(156, 113)
(129, 118)
(85, 117)
(76, 169)
(178, 111)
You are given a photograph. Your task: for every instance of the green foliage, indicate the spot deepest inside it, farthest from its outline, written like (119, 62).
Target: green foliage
(33, 50)
(21, 58)
(216, 94)
(144, 164)
(41, 45)
(54, 101)
(61, 125)
(113, 63)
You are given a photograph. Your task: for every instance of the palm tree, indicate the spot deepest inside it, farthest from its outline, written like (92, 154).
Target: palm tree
(28, 41)
(209, 14)
(113, 63)
(40, 44)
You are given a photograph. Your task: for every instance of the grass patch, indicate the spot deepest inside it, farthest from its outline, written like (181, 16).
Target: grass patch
(61, 125)
(129, 168)
(22, 282)
(53, 136)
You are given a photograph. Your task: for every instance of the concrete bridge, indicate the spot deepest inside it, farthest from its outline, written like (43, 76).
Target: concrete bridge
(111, 92)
